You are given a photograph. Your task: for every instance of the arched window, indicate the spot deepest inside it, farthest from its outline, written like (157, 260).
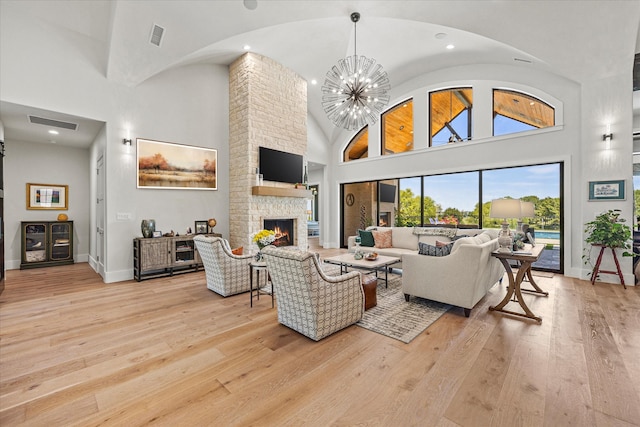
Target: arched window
(450, 116)
(358, 148)
(518, 112)
(397, 128)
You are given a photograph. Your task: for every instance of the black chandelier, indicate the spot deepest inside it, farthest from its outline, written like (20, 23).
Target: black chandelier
(355, 90)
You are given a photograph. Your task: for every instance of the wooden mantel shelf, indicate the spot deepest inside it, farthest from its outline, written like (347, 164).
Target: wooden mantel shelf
(264, 190)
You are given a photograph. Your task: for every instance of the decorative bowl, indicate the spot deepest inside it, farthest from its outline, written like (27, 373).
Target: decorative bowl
(371, 256)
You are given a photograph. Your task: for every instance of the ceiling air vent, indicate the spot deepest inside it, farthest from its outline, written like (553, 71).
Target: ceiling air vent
(156, 35)
(53, 123)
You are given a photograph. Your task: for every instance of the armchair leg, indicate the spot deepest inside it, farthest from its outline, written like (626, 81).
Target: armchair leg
(406, 297)
(467, 312)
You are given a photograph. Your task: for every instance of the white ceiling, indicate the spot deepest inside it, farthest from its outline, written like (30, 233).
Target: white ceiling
(579, 40)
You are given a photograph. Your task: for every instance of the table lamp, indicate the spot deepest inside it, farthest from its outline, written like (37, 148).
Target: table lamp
(505, 208)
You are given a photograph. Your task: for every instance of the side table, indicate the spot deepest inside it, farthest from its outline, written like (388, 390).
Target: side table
(526, 258)
(258, 267)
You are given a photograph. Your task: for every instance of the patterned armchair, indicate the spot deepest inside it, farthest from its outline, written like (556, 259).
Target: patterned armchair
(309, 301)
(227, 274)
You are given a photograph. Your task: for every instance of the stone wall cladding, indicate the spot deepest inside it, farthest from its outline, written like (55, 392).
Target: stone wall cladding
(267, 107)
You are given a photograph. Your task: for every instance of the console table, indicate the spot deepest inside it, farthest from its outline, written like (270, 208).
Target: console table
(165, 256)
(525, 257)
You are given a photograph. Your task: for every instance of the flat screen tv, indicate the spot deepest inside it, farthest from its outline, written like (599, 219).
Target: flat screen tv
(387, 193)
(280, 166)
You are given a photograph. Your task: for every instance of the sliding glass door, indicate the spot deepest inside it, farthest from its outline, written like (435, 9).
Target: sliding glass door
(461, 200)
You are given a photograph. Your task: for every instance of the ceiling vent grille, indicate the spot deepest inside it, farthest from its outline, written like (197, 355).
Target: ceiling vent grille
(52, 123)
(156, 35)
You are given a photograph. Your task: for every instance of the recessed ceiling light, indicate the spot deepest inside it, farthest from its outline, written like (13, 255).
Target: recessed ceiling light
(314, 82)
(246, 47)
(450, 46)
(53, 132)
(440, 36)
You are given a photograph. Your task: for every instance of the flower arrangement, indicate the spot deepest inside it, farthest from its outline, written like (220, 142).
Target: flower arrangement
(264, 238)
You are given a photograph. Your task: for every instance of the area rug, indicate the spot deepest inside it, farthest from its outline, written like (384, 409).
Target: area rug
(398, 319)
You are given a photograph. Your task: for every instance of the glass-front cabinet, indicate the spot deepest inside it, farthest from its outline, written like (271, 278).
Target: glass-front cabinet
(46, 243)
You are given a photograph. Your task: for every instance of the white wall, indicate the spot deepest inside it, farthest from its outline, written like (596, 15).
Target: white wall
(44, 164)
(576, 140)
(188, 105)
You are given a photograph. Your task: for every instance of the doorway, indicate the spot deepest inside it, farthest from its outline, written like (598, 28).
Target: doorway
(100, 184)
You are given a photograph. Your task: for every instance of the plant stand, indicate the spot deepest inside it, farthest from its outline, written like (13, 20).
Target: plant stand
(596, 269)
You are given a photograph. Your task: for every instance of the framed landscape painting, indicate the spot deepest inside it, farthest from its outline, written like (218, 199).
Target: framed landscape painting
(175, 166)
(606, 190)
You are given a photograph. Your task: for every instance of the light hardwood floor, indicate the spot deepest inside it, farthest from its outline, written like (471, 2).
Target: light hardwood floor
(77, 352)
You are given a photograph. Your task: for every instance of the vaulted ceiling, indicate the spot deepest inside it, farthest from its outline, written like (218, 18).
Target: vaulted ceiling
(578, 40)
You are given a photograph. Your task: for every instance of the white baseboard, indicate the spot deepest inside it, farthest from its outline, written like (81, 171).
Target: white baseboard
(118, 276)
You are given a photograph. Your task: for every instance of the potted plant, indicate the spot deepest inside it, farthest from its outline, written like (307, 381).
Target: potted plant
(609, 231)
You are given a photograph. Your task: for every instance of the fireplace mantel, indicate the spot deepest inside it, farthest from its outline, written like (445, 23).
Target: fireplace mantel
(264, 190)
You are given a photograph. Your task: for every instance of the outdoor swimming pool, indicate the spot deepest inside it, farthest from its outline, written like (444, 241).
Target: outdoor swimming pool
(546, 234)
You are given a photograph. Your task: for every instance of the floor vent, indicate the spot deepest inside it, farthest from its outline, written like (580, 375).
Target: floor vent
(53, 123)
(156, 35)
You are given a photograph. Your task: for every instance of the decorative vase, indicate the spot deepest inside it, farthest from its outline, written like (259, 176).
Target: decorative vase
(148, 226)
(259, 254)
(358, 255)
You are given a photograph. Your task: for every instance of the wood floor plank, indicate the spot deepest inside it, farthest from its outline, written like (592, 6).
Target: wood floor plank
(77, 352)
(608, 376)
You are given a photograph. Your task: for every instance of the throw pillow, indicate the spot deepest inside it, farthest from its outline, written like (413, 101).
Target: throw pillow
(382, 238)
(237, 251)
(366, 238)
(440, 244)
(427, 249)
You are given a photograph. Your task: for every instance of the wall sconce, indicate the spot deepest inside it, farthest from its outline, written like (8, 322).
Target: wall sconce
(607, 137)
(126, 141)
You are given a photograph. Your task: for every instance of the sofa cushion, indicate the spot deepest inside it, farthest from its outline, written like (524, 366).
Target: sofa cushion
(473, 240)
(431, 250)
(237, 251)
(366, 238)
(462, 241)
(382, 238)
(404, 238)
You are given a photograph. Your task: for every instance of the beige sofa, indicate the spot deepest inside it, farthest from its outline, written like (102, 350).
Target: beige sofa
(405, 239)
(461, 278)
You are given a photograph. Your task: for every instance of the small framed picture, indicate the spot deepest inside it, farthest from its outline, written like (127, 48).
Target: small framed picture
(201, 227)
(606, 190)
(531, 239)
(157, 233)
(48, 196)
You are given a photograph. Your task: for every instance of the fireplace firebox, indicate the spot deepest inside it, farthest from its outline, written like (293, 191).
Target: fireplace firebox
(284, 229)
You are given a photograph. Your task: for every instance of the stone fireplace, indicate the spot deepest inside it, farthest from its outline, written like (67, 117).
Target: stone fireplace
(268, 108)
(285, 229)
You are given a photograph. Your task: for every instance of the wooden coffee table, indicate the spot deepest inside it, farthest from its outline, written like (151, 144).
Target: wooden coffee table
(381, 263)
